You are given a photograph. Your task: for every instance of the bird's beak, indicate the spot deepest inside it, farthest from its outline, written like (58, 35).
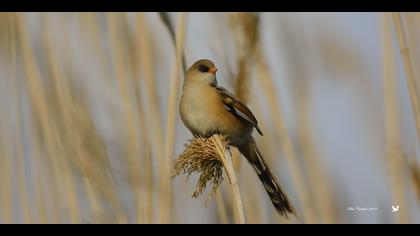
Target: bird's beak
(213, 70)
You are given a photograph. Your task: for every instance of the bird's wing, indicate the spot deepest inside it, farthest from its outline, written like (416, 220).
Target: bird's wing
(237, 108)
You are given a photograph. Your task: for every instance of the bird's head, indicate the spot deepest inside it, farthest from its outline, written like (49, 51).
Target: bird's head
(202, 71)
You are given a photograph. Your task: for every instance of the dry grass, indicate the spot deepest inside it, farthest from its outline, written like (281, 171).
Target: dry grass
(200, 156)
(208, 156)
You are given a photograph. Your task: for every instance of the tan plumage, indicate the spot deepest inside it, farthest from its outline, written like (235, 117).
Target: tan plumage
(207, 108)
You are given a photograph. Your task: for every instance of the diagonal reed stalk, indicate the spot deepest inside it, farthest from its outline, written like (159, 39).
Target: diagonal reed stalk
(228, 164)
(411, 81)
(408, 61)
(164, 16)
(396, 162)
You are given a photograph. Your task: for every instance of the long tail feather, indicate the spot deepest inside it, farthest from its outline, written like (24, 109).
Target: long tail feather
(277, 196)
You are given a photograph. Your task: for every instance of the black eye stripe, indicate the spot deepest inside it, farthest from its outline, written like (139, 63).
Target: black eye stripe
(203, 68)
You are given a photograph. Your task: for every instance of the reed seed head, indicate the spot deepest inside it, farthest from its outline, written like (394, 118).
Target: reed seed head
(201, 156)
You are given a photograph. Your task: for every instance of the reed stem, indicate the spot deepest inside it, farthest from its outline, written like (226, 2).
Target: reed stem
(409, 72)
(395, 158)
(165, 203)
(228, 164)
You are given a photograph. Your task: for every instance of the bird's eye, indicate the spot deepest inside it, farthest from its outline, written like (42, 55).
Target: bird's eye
(203, 68)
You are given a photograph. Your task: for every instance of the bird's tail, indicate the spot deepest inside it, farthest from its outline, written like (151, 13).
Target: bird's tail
(276, 194)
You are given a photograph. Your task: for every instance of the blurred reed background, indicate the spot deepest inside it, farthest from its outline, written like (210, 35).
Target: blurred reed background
(89, 122)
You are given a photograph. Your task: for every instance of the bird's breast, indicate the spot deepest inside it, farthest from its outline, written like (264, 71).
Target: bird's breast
(198, 109)
(203, 112)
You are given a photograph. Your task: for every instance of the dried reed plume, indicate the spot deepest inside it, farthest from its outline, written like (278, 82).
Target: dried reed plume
(207, 156)
(201, 156)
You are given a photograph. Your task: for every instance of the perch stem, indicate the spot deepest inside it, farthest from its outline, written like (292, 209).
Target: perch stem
(221, 208)
(227, 163)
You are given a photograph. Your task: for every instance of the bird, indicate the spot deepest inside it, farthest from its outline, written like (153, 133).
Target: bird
(395, 209)
(207, 109)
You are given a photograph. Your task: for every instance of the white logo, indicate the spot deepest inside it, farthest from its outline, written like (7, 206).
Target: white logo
(395, 209)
